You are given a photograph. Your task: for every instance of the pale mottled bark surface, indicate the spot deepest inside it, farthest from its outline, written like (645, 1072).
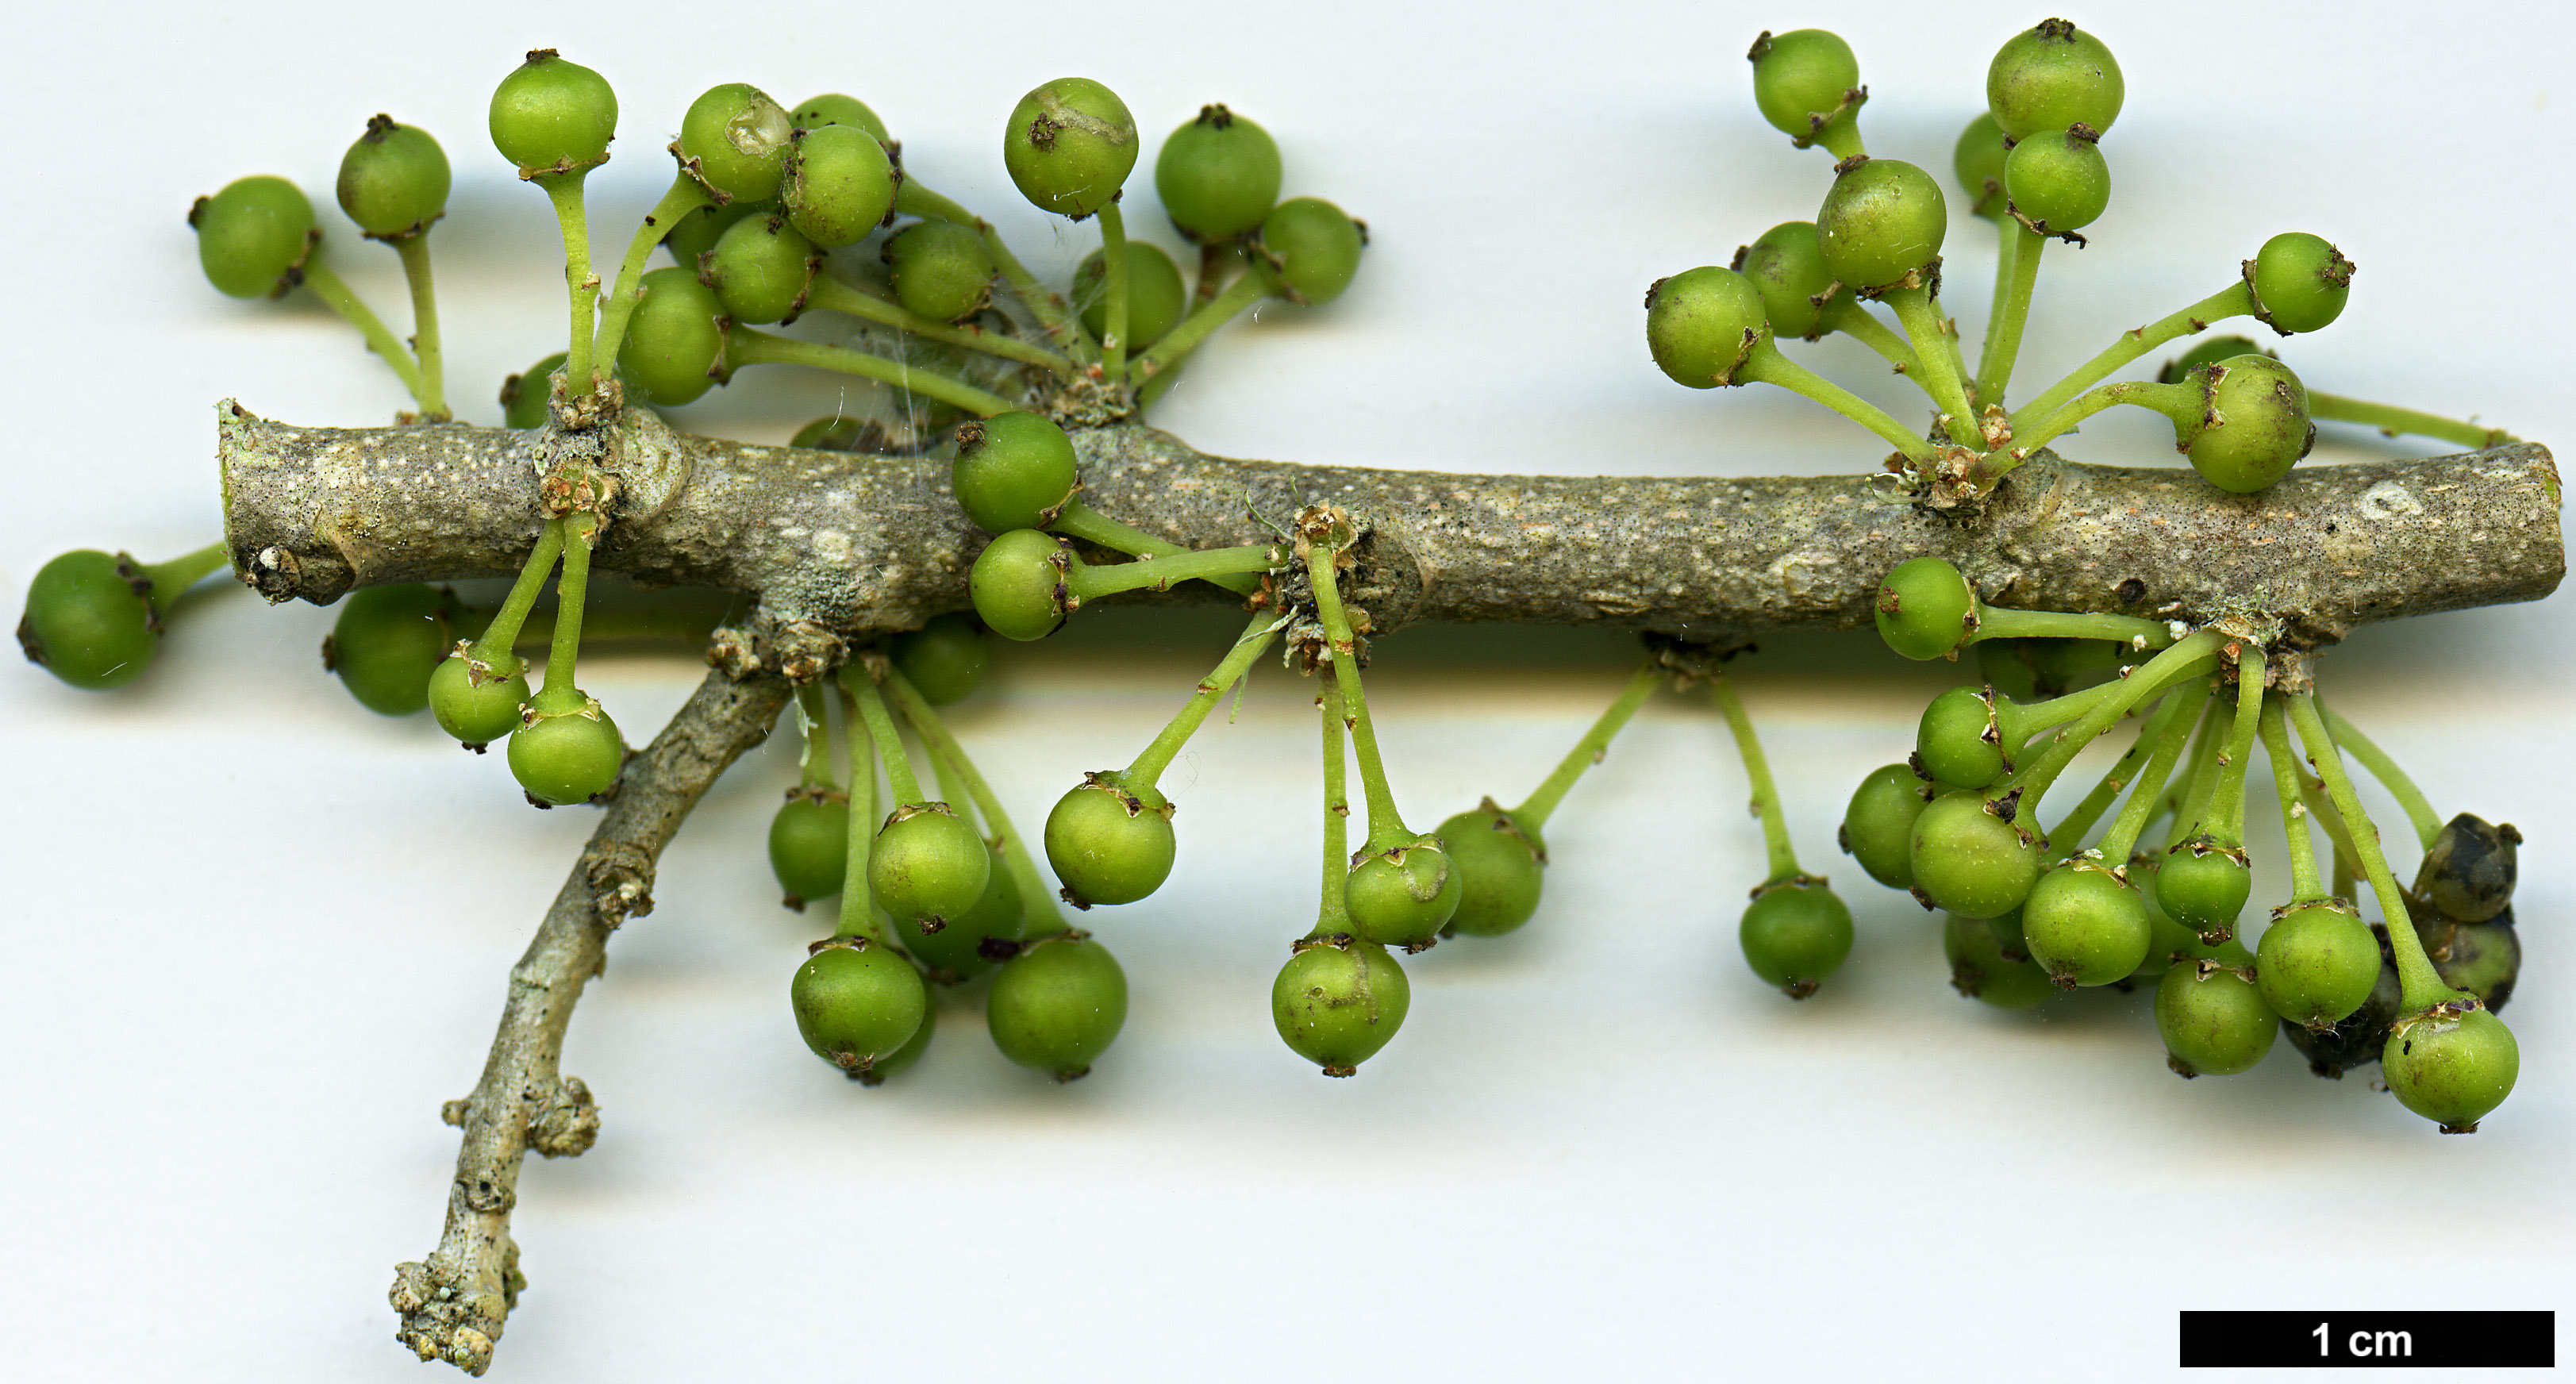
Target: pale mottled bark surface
(454, 1303)
(854, 544)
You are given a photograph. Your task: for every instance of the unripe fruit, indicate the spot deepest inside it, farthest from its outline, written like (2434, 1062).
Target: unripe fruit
(1403, 896)
(1925, 608)
(944, 660)
(2300, 282)
(1795, 934)
(1217, 176)
(1881, 224)
(1311, 249)
(1786, 265)
(1069, 146)
(2086, 926)
(736, 138)
(836, 109)
(2203, 884)
(478, 709)
(388, 643)
(2213, 1021)
(86, 623)
(1017, 584)
(2051, 77)
(928, 864)
(1806, 83)
(673, 343)
(2317, 964)
(1978, 162)
(553, 118)
(838, 184)
(1702, 325)
(394, 180)
(567, 757)
(252, 237)
(857, 1004)
(761, 269)
(2253, 425)
(1014, 471)
(1338, 1001)
(1156, 297)
(1058, 1005)
(2058, 180)
(809, 844)
(1972, 862)
(1110, 841)
(1500, 864)
(940, 269)
(1878, 827)
(1983, 969)
(2451, 1066)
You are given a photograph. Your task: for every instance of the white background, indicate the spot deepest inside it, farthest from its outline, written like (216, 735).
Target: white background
(256, 934)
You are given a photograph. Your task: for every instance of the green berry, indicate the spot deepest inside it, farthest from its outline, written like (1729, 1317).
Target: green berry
(1703, 324)
(838, 185)
(1960, 738)
(761, 269)
(552, 117)
(2253, 424)
(673, 343)
(478, 707)
(1156, 298)
(1500, 863)
(1311, 249)
(895, 1063)
(2168, 942)
(388, 642)
(566, 757)
(1786, 265)
(90, 620)
(943, 660)
(1404, 895)
(1983, 967)
(2086, 926)
(841, 433)
(2213, 1020)
(1069, 146)
(2300, 282)
(2451, 1065)
(1014, 470)
(1110, 840)
(2469, 872)
(1017, 583)
(959, 949)
(526, 397)
(928, 864)
(1807, 84)
(1338, 1000)
(2210, 351)
(252, 237)
(1058, 1005)
(736, 139)
(2316, 964)
(836, 109)
(940, 269)
(858, 1003)
(1971, 861)
(1217, 176)
(809, 844)
(1926, 608)
(697, 232)
(1881, 224)
(2356, 1040)
(2053, 77)
(2058, 180)
(1978, 161)
(394, 180)
(2203, 884)
(1878, 827)
(1795, 934)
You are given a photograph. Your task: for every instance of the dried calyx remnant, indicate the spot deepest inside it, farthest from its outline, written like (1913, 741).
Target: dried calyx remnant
(838, 545)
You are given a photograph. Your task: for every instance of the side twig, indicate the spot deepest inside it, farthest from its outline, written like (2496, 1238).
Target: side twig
(454, 1303)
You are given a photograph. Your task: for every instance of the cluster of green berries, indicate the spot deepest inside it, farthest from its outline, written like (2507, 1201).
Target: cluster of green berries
(1958, 825)
(2033, 164)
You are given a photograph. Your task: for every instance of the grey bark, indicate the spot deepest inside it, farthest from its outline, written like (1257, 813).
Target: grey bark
(839, 545)
(454, 1303)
